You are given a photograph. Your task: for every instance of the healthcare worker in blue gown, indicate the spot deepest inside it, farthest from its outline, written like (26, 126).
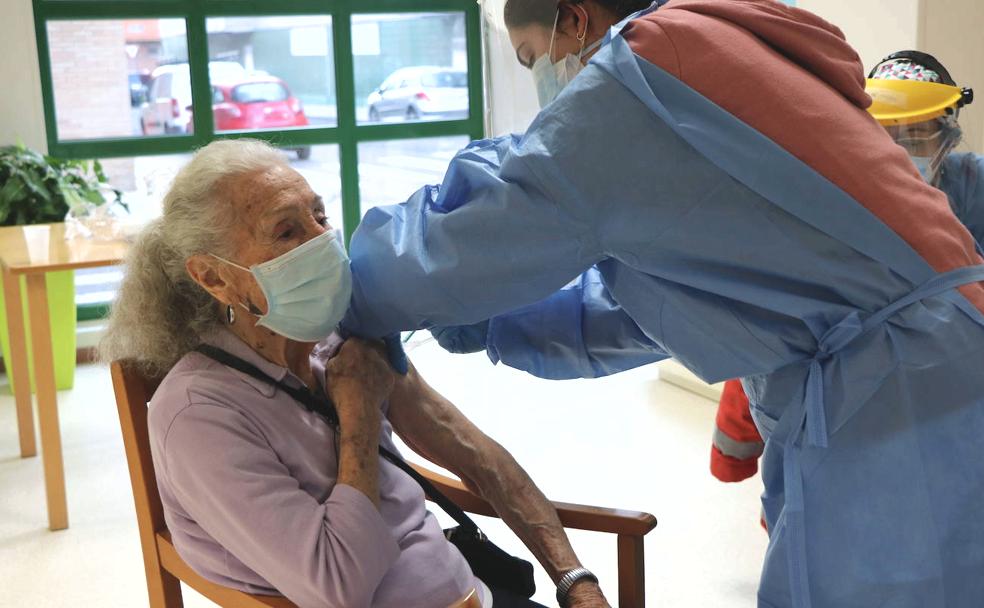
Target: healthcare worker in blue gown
(923, 119)
(710, 187)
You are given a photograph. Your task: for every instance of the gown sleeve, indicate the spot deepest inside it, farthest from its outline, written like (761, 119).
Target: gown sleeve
(493, 237)
(964, 184)
(578, 332)
(597, 176)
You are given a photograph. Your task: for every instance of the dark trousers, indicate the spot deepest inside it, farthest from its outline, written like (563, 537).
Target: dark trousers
(506, 599)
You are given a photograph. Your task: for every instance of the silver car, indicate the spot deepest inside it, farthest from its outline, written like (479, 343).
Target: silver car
(421, 93)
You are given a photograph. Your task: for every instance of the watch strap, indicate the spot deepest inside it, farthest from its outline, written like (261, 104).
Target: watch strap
(568, 581)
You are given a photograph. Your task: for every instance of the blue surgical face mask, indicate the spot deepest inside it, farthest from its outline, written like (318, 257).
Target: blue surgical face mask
(939, 144)
(925, 166)
(550, 78)
(307, 289)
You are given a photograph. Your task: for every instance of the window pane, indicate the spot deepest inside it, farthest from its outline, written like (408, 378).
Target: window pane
(390, 171)
(259, 92)
(323, 172)
(279, 72)
(410, 67)
(120, 78)
(145, 180)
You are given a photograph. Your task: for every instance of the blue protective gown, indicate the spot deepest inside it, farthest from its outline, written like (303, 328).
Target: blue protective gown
(963, 182)
(862, 364)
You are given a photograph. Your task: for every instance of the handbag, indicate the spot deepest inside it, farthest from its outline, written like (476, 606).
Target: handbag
(488, 562)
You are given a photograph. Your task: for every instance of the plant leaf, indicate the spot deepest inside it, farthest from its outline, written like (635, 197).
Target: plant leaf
(36, 189)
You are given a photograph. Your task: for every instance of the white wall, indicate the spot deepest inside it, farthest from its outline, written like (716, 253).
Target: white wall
(875, 28)
(952, 31)
(510, 99)
(21, 110)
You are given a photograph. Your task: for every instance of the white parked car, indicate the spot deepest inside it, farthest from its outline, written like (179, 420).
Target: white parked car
(166, 111)
(421, 93)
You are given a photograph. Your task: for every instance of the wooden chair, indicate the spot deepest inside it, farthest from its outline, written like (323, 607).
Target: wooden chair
(165, 569)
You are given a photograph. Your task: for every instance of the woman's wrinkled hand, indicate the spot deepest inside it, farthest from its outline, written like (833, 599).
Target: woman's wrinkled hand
(358, 380)
(587, 595)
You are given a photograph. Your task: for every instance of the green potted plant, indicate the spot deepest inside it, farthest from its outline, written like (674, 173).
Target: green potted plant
(38, 189)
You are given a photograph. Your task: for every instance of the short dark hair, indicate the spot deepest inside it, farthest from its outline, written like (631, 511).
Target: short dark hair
(520, 13)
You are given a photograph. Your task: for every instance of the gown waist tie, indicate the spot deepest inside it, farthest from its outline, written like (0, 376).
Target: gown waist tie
(813, 420)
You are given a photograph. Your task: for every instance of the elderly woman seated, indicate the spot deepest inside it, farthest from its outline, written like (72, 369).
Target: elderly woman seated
(261, 494)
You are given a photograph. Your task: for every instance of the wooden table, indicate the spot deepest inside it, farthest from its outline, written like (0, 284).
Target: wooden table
(32, 251)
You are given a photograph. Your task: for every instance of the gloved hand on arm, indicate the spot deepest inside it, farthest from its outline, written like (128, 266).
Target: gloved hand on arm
(462, 339)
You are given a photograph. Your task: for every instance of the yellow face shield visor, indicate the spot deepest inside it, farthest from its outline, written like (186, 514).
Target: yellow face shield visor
(904, 102)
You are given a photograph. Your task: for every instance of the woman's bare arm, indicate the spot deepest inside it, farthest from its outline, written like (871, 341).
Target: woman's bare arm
(434, 428)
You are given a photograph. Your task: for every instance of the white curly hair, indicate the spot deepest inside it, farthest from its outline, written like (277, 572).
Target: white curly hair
(161, 313)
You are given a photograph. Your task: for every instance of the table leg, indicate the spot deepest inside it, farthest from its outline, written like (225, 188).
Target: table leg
(17, 369)
(44, 376)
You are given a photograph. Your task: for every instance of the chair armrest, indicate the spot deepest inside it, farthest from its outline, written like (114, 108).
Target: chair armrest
(469, 601)
(577, 517)
(223, 596)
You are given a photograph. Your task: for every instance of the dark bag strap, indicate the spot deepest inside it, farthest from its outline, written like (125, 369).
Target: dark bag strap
(322, 405)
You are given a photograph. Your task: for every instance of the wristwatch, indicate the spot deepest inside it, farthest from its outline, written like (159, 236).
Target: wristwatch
(568, 580)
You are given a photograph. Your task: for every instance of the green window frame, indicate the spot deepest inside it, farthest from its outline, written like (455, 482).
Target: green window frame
(348, 133)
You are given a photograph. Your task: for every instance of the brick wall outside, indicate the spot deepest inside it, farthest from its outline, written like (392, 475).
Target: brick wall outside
(92, 96)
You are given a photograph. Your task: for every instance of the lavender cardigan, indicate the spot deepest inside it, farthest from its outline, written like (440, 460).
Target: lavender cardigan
(248, 482)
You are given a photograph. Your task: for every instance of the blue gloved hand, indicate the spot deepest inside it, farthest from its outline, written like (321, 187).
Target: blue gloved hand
(395, 354)
(462, 339)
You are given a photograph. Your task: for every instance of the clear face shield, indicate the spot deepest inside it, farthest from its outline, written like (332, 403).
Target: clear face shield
(928, 143)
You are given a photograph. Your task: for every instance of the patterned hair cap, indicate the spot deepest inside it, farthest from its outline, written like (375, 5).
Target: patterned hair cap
(905, 69)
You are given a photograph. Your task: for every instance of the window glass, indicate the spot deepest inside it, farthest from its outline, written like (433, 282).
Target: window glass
(445, 79)
(117, 78)
(129, 78)
(143, 181)
(259, 92)
(322, 171)
(410, 67)
(390, 171)
(279, 72)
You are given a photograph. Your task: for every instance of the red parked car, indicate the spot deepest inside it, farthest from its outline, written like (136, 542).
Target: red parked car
(257, 103)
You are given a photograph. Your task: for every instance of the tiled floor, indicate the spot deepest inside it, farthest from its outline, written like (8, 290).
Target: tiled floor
(629, 441)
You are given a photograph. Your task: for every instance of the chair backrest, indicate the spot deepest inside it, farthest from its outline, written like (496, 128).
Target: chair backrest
(133, 391)
(164, 568)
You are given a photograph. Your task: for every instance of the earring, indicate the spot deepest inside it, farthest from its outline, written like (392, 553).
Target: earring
(580, 37)
(230, 314)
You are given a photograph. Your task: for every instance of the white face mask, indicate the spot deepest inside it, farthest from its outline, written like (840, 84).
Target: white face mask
(551, 78)
(307, 289)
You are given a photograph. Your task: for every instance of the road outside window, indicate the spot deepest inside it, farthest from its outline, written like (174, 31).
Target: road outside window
(410, 67)
(279, 74)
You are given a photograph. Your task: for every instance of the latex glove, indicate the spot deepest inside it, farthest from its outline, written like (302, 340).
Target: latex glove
(396, 355)
(462, 339)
